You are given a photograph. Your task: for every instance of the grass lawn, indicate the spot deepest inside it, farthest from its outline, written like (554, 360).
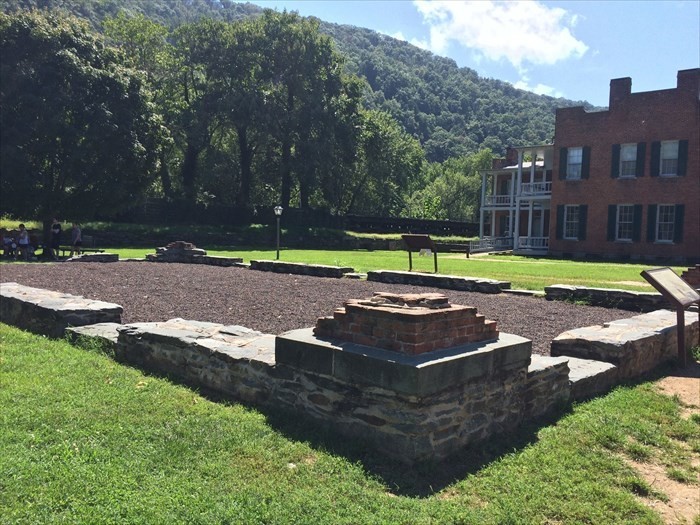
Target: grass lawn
(528, 273)
(84, 439)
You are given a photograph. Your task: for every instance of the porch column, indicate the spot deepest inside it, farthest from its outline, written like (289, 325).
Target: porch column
(483, 203)
(529, 223)
(516, 229)
(511, 206)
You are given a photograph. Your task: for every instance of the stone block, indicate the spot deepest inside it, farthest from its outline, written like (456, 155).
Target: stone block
(316, 270)
(50, 313)
(590, 378)
(635, 345)
(450, 282)
(105, 334)
(609, 298)
(413, 375)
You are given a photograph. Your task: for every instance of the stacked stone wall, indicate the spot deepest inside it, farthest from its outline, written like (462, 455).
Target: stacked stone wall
(692, 276)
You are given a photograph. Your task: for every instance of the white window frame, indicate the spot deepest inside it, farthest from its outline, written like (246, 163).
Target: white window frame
(665, 229)
(628, 161)
(624, 222)
(574, 163)
(668, 158)
(572, 213)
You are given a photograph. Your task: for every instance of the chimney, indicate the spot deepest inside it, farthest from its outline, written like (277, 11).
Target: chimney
(688, 79)
(620, 89)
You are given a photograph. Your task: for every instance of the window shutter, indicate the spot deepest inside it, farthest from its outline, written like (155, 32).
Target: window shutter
(651, 223)
(655, 159)
(637, 223)
(612, 220)
(682, 157)
(560, 221)
(586, 162)
(582, 219)
(615, 163)
(678, 223)
(641, 157)
(563, 160)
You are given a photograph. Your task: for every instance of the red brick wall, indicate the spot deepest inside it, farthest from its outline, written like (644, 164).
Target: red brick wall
(692, 276)
(669, 114)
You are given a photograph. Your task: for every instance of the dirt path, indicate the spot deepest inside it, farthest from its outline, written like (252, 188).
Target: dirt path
(683, 505)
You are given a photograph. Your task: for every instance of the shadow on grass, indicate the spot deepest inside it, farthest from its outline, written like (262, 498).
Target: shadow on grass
(419, 480)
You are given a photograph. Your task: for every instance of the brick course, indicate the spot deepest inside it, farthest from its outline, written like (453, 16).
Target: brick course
(411, 324)
(669, 114)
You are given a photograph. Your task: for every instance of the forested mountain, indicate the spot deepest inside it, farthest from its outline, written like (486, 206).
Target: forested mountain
(256, 109)
(452, 111)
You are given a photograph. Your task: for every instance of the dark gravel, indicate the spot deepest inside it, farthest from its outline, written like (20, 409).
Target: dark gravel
(274, 303)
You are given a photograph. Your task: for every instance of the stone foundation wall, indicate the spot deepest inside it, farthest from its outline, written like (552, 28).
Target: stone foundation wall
(49, 313)
(317, 270)
(451, 282)
(636, 345)
(436, 420)
(609, 298)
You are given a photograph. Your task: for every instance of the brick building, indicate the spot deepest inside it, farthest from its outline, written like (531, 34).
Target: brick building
(626, 181)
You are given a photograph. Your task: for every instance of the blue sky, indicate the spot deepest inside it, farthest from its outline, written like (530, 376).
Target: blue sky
(570, 49)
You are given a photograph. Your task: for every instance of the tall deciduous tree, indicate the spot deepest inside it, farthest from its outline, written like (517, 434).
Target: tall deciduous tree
(78, 132)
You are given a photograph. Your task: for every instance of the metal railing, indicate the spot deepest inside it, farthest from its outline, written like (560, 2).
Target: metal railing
(536, 188)
(491, 244)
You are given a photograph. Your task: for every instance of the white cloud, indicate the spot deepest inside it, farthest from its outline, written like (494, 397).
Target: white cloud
(423, 44)
(539, 89)
(524, 31)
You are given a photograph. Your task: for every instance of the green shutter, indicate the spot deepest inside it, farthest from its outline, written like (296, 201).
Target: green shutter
(641, 157)
(560, 221)
(651, 222)
(682, 157)
(582, 219)
(612, 220)
(586, 162)
(637, 223)
(563, 160)
(615, 162)
(655, 167)
(678, 223)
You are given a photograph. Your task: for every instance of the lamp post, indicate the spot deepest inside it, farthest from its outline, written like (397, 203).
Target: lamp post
(278, 214)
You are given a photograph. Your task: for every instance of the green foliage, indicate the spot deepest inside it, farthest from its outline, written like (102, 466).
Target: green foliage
(78, 131)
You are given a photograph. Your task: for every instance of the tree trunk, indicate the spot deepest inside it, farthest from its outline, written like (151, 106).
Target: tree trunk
(189, 170)
(246, 160)
(165, 177)
(286, 172)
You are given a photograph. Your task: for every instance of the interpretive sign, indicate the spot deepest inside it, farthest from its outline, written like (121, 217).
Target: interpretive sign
(681, 295)
(416, 243)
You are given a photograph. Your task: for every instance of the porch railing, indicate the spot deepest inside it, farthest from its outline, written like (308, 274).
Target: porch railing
(491, 244)
(533, 243)
(499, 200)
(536, 188)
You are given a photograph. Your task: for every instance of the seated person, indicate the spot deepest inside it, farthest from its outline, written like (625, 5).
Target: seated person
(9, 246)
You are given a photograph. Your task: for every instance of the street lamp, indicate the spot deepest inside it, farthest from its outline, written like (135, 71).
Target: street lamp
(278, 214)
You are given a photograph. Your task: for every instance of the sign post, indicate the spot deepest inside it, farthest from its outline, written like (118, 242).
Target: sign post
(681, 295)
(416, 243)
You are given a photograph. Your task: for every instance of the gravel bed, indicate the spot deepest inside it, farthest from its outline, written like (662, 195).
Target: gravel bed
(274, 303)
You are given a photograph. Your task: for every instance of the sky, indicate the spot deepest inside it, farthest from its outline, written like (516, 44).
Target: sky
(569, 49)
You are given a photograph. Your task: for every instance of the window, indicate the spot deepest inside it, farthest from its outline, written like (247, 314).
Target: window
(628, 160)
(665, 221)
(571, 222)
(669, 158)
(573, 163)
(625, 222)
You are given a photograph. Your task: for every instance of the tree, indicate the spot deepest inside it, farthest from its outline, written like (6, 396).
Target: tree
(78, 133)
